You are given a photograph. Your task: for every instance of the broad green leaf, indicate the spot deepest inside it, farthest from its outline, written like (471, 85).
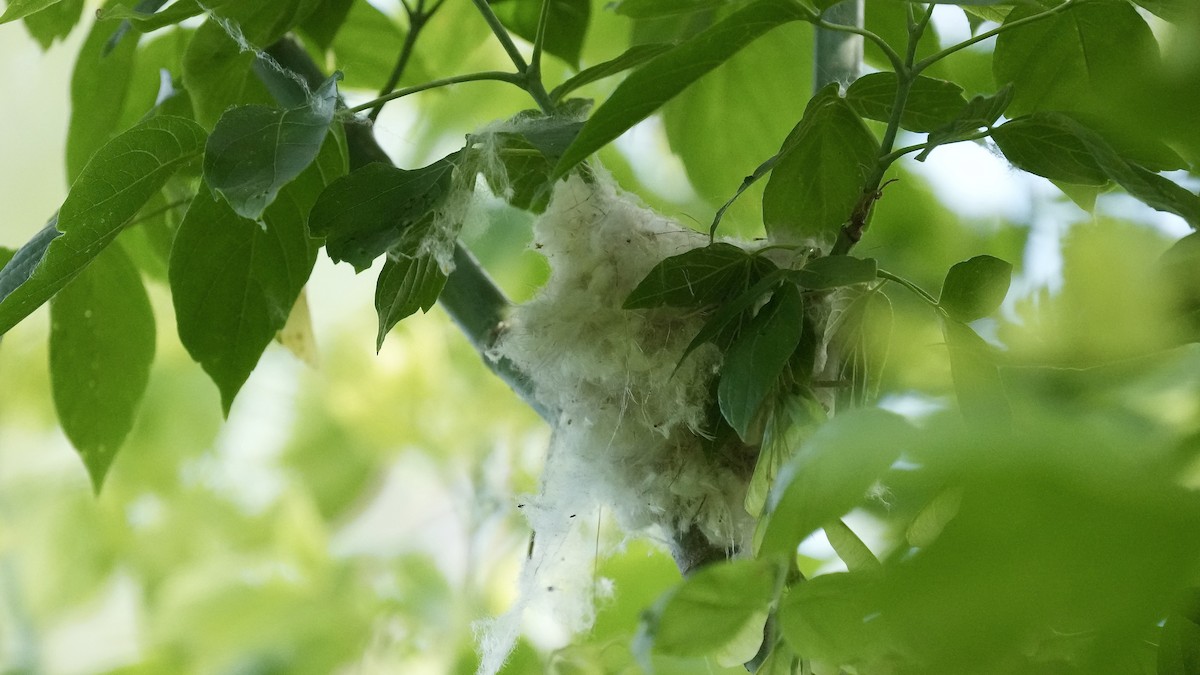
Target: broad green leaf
(405, 285)
(6, 255)
(19, 9)
(931, 105)
(630, 58)
(1072, 60)
(651, 9)
(255, 150)
(795, 418)
(695, 278)
(649, 87)
(235, 281)
(975, 288)
(1171, 10)
(829, 476)
(96, 110)
(849, 547)
(566, 27)
(720, 144)
(1179, 270)
(101, 348)
(835, 271)
(121, 177)
(977, 14)
(820, 178)
(365, 214)
(709, 609)
(1042, 145)
(754, 362)
(1061, 147)
(981, 113)
(55, 22)
(149, 21)
(977, 382)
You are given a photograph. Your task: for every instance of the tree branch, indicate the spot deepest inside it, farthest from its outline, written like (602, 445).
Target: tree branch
(839, 53)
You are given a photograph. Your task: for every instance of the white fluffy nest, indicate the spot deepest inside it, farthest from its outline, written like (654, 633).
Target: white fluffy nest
(630, 434)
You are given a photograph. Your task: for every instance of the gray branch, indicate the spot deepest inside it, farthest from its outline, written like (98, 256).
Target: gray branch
(839, 55)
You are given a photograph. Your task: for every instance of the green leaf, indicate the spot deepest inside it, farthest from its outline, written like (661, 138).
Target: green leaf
(664, 76)
(234, 281)
(695, 278)
(326, 21)
(831, 618)
(729, 312)
(835, 271)
(367, 213)
(709, 609)
(566, 26)
(932, 104)
(1179, 639)
(1041, 144)
(527, 156)
(101, 348)
(55, 22)
(96, 110)
(981, 112)
(366, 46)
(122, 176)
(977, 381)
(849, 547)
(1070, 61)
(6, 255)
(754, 362)
(255, 150)
(144, 22)
(652, 9)
(405, 285)
(19, 9)
(719, 144)
(829, 476)
(819, 179)
(630, 58)
(794, 419)
(975, 288)
(217, 72)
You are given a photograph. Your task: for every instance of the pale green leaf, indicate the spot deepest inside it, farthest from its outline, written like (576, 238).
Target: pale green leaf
(829, 476)
(710, 609)
(931, 103)
(19, 9)
(630, 58)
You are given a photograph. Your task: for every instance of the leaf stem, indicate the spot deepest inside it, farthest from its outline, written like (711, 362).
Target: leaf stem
(887, 50)
(418, 17)
(930, 60)
(921, 292)
(539, 40)
(526, 78)
(498, 76)
(897, 154)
